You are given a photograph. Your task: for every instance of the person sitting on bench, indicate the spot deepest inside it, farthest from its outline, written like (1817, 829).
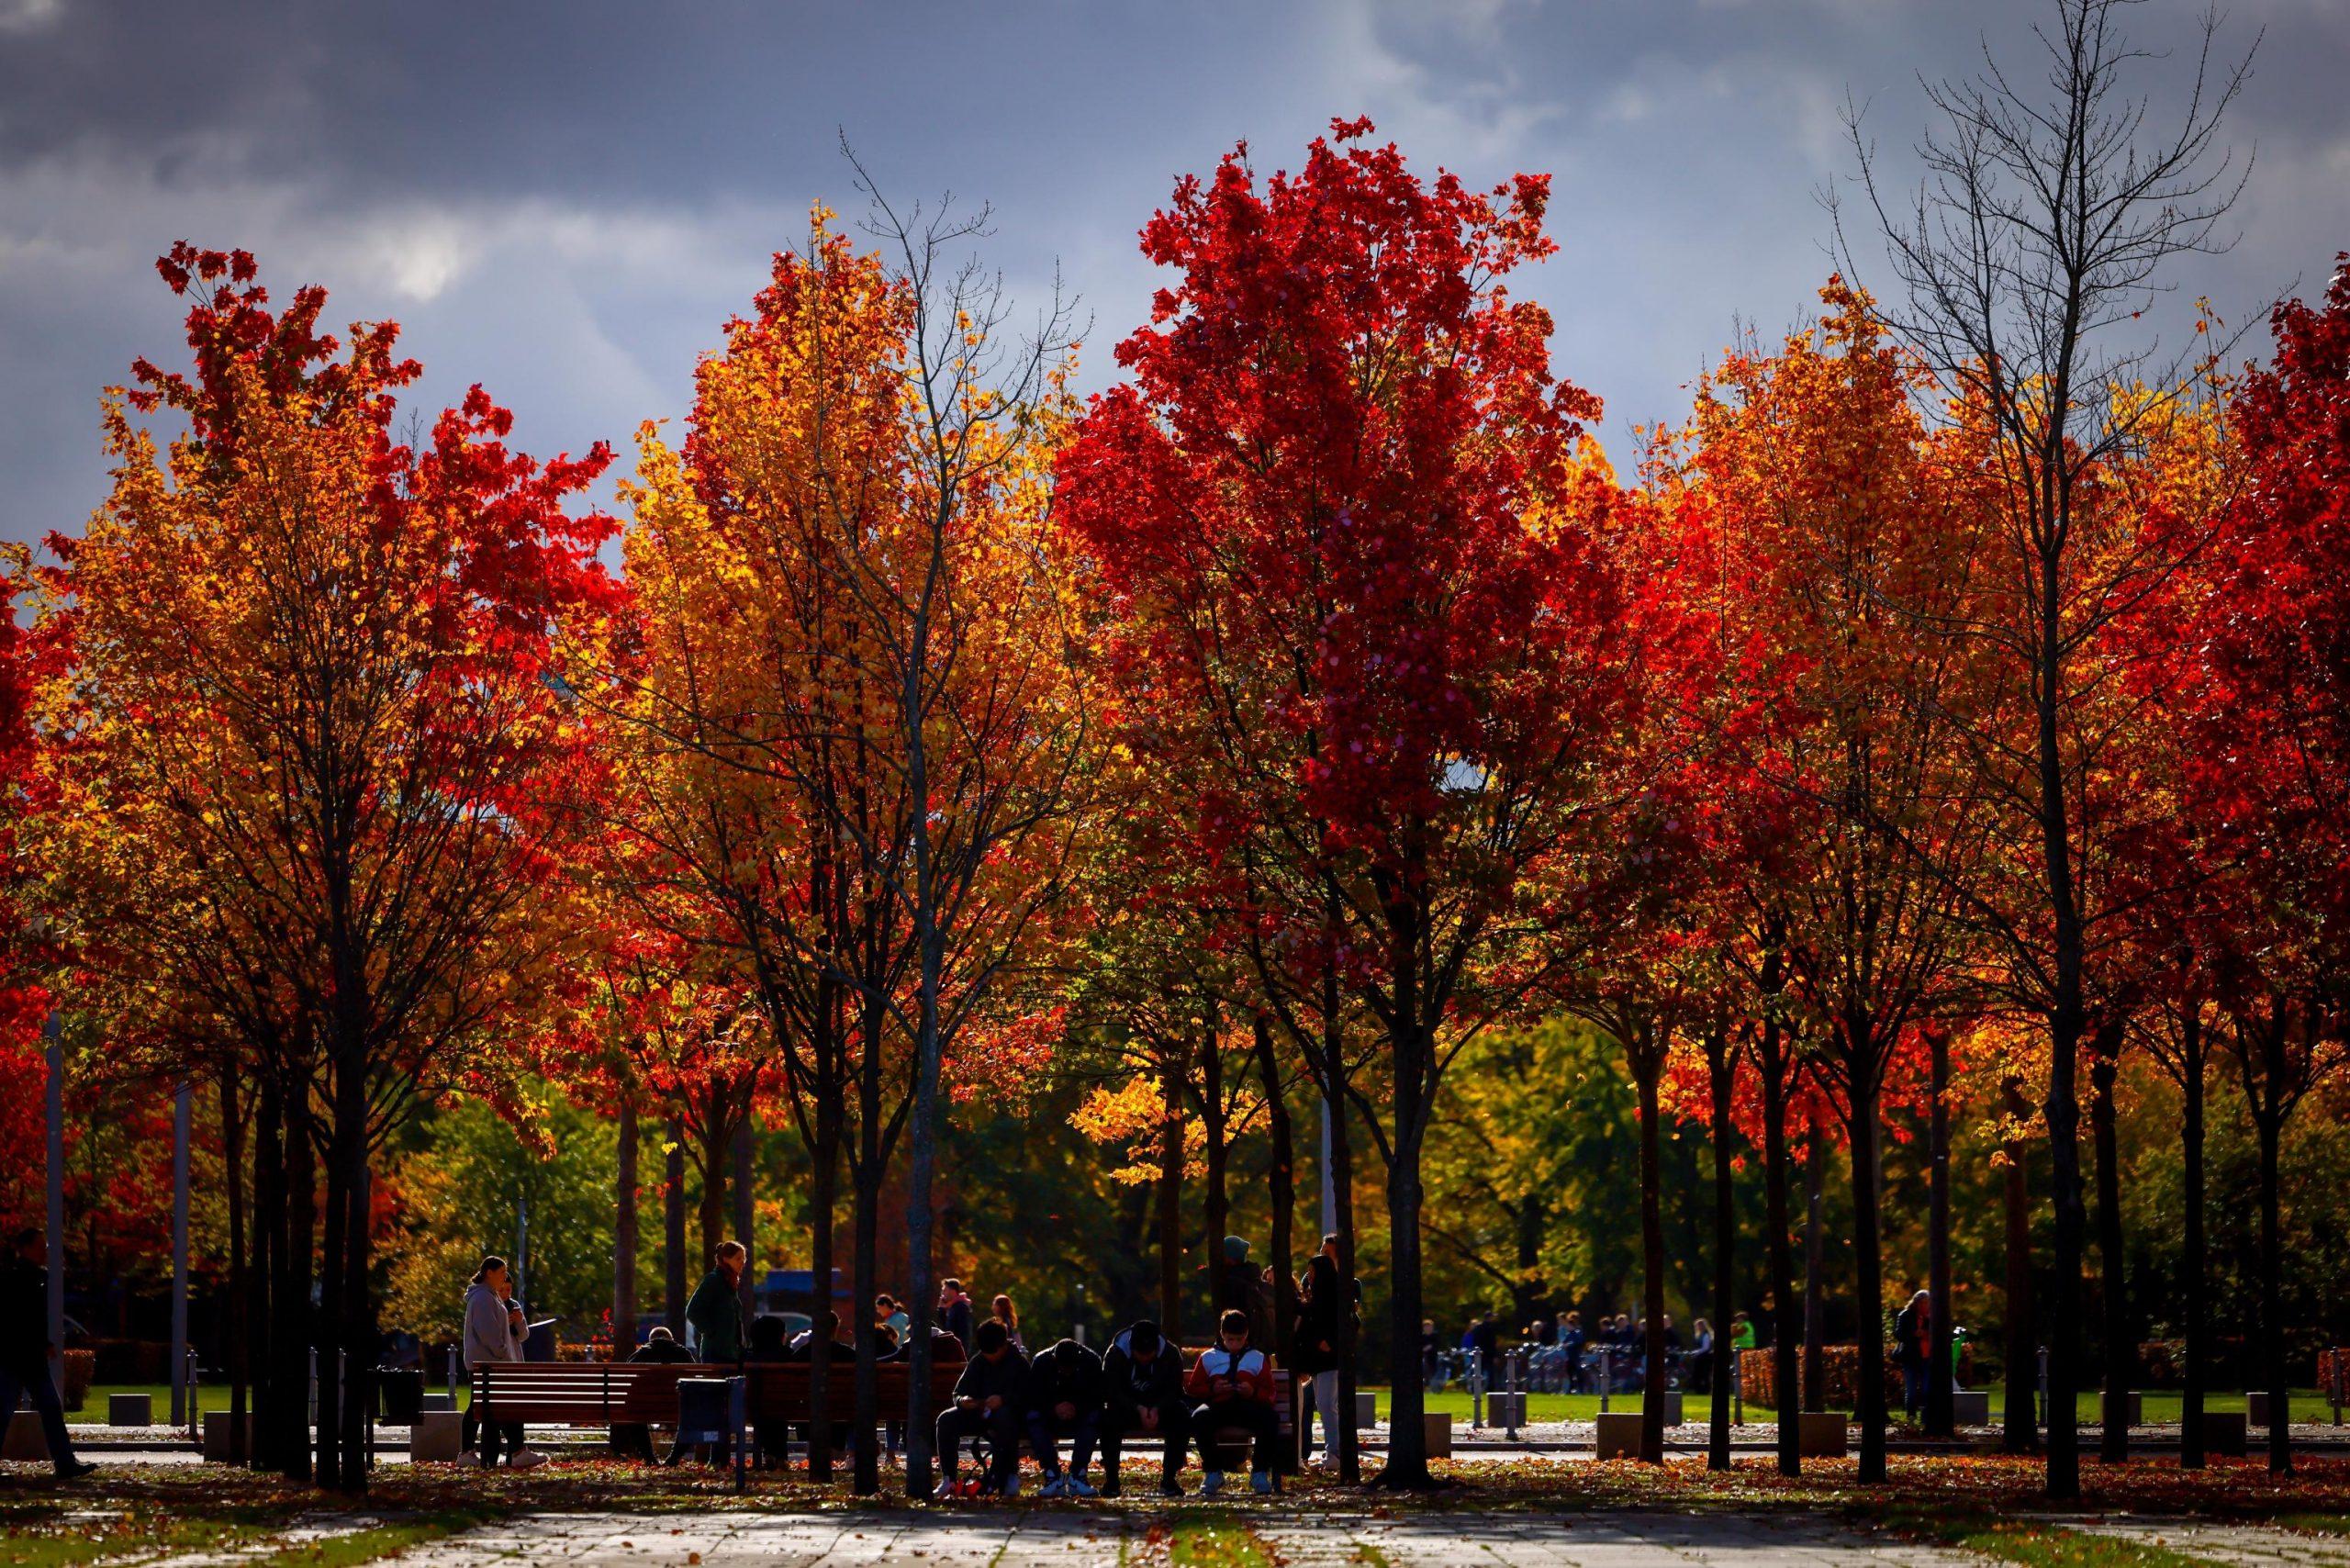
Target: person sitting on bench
(1142, 1392)
(1233, 1383)
(1064, 1400)
(986, 1404)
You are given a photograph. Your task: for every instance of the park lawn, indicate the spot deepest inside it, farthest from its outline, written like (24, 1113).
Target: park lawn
(209, 1397)
(1214, 1540)
(244, 1515)
(2157, 1408)
(2036, 1544)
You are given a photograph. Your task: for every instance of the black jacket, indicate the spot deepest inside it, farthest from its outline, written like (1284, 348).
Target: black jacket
(24, 1313)
(1128, 1385)
(1066, 1371)
(661, 1350)
(983, 1377)
(1319, 1327)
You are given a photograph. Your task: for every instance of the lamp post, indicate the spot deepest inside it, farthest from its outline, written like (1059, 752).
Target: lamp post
(53, 1030)
(180, 1108)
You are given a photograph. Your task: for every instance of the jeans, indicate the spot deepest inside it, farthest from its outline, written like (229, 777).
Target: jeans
(1913, 1388)
(1045, 1432)
(1174, 1431)
(1321, 1394)
(1001, 1432)
(32, 1377)
(1253, 1414)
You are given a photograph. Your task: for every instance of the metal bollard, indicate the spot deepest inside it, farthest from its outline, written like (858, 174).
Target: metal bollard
(1606, 1376)
(190, 1380)
(1510, 1423)
(2043, 1386)
(1476, 1389)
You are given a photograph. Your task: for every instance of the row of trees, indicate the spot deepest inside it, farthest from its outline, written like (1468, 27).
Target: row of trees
(1286, 718)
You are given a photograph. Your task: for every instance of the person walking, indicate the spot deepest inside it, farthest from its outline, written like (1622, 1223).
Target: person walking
(495, 1329)
(25, 1348)
(1913, 1337)
(714, 1312)
(1003, 1312)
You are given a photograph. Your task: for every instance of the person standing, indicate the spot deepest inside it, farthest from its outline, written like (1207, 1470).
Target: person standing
(1319, 1332)
(715, 1310)
(1240, 1286)
(1003, 1312)
(955, 1311)
(495, 1329)
(25, 1348)
(1913, 1337)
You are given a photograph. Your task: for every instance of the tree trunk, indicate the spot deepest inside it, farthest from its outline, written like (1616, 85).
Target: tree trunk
(1342, 1207)
(1774, 1066)
(922, 1164)
(359, 1336)
(714, 1152)
(2020, 1432)
(2194, 1264)
(2269, 1115)
(293, 1326)
(1868, 1277)
(1941, 1375)
(2113, 1426)
(624, 1236)
(672, 1230)
(1170, 1194)
(1652, 1263)
(1815, 1275)
(232, 1148)
(333, 1253)
(864, 1405)
(1213, 1120)
(745, 1196)
(1282, 1177)
(823, 1194)
(264, 1309)
(1720, 1061)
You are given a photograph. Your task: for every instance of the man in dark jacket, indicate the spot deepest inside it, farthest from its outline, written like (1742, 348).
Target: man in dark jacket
(25, 1347)
(955, 1311)
(634, 1440)
(1241, 1287)
(1320, 1331)
(1064, 1400)
(986, 1404)
(1142, 1393)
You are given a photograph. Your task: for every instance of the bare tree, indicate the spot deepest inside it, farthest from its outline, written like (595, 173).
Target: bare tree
(2040, 234)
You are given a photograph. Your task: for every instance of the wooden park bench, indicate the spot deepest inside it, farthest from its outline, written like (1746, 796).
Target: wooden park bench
(644, 1394)
(1284, 1415)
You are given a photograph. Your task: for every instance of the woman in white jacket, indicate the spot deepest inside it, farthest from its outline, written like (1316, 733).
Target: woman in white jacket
(495, 1330)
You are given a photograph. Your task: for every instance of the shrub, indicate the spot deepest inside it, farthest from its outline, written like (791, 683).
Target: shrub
(81, 1371)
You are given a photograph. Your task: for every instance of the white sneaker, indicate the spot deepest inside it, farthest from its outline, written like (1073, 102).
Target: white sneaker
(1078, 1487)
(1213, 1483)
(527, 1459)
(942, 1492)
(1262, 1481)
(469, 1457)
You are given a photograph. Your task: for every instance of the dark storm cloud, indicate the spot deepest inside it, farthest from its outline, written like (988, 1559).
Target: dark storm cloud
(565, 202)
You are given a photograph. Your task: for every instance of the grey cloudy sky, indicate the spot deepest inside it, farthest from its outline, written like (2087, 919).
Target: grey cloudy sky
(564, 201)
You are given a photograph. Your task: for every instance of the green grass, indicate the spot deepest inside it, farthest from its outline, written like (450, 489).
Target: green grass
(1214, 1540)
(52, 1536)
(2157, 1408)
(2037, 1545)
(208, 1397)
(58, 1542)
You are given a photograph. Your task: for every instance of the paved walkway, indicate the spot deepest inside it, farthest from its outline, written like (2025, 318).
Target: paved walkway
(1010, 1538)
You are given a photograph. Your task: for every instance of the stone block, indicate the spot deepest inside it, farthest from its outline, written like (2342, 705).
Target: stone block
(130, 1409)
(24, 1440)
(2255, 1407)
(1675, 1412)
(1504, 1409)
(1437, 1430)
(1366, 1412)
(218, 1430)
(1822, 1434)
(437, 1438)
(439, 1402)
(1970, 1409)
(2225, 1433)
(2134, 1414)
(1618, 1435)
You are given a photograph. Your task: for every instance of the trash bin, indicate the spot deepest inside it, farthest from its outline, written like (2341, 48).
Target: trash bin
(403, 1394)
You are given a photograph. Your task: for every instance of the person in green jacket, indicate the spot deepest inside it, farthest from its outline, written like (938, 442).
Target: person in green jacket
(715, 1311)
